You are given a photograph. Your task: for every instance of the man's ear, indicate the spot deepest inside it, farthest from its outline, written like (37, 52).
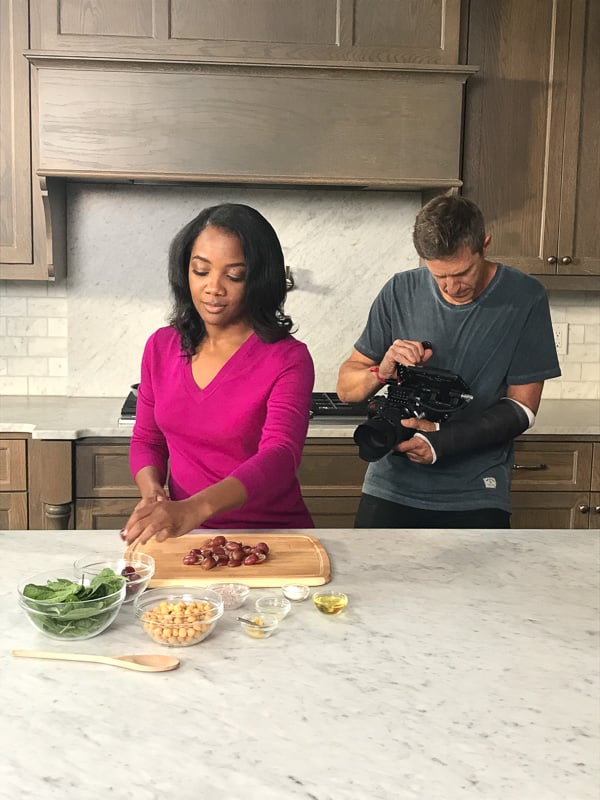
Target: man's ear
(486, 242)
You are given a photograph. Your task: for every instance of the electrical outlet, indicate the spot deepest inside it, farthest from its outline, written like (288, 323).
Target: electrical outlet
(561, 337)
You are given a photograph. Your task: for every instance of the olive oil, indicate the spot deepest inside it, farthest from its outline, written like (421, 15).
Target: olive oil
(331, 603)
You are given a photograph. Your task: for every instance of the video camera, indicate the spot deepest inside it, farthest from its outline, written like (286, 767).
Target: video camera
(432, 394)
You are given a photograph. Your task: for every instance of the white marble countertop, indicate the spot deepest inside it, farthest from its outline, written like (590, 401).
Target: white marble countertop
(466, 667)
(77, 417)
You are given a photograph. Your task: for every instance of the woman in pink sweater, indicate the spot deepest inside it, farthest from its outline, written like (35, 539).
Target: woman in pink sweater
(223, 403)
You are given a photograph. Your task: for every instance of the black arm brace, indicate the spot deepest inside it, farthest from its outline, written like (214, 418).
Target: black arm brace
(497, 425)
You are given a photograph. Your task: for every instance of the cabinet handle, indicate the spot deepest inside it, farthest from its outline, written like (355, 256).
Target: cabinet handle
(584, 509)
(530, 468)
(566, 260)
(597, 509)
(552, 259)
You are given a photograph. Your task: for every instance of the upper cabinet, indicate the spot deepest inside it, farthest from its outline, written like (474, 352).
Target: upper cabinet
(532, 134)
(267, 31)
(31, 222)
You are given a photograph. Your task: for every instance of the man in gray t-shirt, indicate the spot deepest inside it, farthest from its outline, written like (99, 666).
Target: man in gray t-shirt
(486, 322)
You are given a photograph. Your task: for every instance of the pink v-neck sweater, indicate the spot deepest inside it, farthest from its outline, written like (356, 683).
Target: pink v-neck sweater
(250, 422)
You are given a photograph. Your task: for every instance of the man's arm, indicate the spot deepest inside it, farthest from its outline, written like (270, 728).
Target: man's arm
(501, 423)
(356, 382)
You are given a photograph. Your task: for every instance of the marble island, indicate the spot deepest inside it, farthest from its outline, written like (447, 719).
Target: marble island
(78, 417)
(466, 667)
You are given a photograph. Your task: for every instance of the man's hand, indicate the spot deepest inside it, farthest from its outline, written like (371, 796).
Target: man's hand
(406, 352)
(417, 449)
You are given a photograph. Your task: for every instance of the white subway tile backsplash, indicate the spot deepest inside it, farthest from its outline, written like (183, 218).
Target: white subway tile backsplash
(13, 346)
(58, 327)
(26, 326)
(84, 335)
(13, 306)
(47, 347)
(27, 366)
(48, 386)
(58, 367)
(12, 385)
(47, 306)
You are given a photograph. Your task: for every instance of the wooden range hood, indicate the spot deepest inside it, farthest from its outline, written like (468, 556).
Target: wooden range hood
(394, 127)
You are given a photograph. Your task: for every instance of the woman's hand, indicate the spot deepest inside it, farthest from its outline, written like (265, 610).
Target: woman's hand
(403, 351)
(162, 518)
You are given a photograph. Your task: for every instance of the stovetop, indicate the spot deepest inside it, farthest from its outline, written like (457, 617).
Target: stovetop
(324, 404)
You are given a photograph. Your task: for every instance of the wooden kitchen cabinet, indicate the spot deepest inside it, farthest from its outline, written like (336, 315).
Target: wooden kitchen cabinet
(28, 213)
(532, 126)
(555, 484)
(331, 476)
(269, 31)
(13, 484)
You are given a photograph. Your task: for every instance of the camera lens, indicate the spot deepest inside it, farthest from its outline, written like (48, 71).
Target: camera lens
(375, 438)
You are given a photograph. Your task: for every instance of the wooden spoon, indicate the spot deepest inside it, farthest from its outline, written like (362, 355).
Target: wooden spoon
(141, 663)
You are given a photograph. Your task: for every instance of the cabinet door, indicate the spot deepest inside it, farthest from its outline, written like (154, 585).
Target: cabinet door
(294, 31)
(13, 511)
(13, 465)
(102, 470)
(531, 159)
(579, 232)
(332, 512)
(105, 514)
(553, 510)
(551, 466)
(15, 174)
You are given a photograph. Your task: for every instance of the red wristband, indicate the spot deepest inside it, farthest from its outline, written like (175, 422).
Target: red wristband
(376, 371)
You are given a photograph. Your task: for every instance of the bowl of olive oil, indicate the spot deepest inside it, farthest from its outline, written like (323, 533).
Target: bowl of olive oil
(331, 601)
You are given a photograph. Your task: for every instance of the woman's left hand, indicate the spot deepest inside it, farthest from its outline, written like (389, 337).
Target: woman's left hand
(162, 518)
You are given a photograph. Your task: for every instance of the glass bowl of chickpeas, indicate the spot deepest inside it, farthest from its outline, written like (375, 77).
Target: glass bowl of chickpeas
(178, 617)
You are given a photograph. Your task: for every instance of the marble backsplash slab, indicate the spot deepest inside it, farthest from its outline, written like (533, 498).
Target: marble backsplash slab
(84, 336)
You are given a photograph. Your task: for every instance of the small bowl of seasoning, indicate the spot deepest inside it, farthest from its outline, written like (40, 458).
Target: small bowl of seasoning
(331, 601)
(259, 626)
(295, 593)
(233, 594)
(273, 605)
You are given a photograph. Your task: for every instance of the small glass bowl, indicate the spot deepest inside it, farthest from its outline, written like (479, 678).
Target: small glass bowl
(330, 601)
(295, 593)
(179, 617)
(268, 624)
(278, 606)
(136, 568)
(234, 595)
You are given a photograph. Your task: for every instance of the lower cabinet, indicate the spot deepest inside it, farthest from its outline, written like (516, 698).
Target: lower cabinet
(13, 484)
(556, 483)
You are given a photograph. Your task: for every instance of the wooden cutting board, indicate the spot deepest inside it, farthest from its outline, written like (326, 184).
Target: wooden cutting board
(293, 558)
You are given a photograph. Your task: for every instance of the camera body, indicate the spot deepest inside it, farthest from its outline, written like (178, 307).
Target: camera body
(432, 394)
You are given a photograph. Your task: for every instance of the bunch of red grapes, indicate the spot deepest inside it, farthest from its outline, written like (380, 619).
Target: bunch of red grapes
(223, 552)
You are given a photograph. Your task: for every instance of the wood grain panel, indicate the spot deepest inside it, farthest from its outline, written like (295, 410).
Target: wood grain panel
(13, 465)
(293, 558)
(105, 17)
(270, 21)
(13, 511)
(551, 510)
(513, 105)
(15, 171)
(271, 125)
(566, 466)
(579, 231)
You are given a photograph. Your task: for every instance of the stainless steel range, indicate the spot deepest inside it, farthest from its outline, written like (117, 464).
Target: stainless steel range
(324, 404)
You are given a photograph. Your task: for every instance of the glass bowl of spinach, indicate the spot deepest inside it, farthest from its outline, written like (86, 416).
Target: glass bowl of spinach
(68, 609)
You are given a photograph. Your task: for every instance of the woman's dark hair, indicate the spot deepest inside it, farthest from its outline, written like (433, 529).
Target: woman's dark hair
(445, 225)
(264, 287)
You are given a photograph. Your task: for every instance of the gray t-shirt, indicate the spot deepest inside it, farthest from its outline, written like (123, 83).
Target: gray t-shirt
(503, 338)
